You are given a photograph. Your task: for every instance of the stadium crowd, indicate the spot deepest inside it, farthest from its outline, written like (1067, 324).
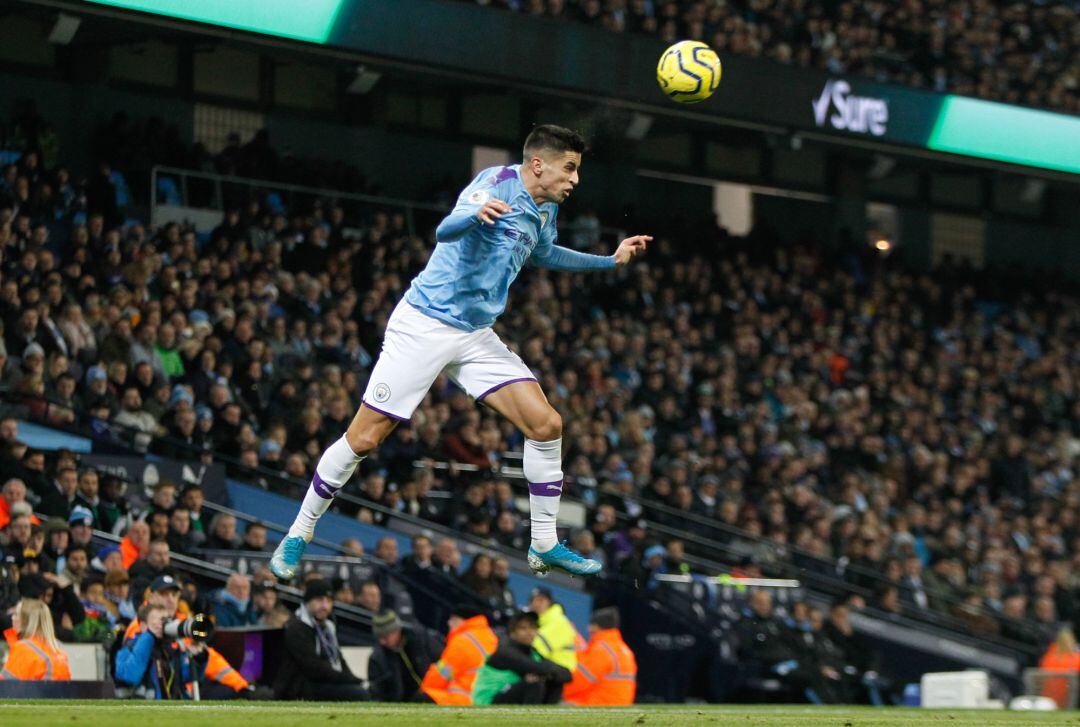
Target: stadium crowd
(1016, 52)
(912, 426)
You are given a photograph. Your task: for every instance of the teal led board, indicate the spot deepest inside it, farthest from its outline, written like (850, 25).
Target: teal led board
(308, 20)
(1007, 133)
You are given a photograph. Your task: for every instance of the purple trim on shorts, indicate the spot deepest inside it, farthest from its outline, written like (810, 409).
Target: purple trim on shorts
(395, 417)
(322, 489)
(495, 388)
(546, 489)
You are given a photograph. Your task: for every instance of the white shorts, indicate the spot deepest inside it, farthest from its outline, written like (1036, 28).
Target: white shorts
(417, 348)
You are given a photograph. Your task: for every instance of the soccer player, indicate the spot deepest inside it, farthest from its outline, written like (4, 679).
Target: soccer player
(443, 323)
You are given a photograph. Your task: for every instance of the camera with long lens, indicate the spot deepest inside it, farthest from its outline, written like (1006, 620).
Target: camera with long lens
(197, 628)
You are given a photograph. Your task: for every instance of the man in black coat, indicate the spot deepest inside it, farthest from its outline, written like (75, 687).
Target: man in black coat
(312, 667)
(400, 660)
(847, 661)
(768, 649)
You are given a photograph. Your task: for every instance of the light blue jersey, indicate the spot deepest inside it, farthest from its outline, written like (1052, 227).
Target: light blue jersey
(466, 281)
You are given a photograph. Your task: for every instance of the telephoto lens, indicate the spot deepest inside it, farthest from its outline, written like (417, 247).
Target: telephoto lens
(198, 628)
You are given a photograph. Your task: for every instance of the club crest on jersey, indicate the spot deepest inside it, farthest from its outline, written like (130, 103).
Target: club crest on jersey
(381, 393)
(479, 196)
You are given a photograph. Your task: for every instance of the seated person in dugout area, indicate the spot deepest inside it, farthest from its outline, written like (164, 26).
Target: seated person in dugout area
(516, 673)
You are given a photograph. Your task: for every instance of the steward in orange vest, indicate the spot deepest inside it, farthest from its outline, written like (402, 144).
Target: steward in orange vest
(1063, 658)
(606, 672)
(468, 645)
(36, 655)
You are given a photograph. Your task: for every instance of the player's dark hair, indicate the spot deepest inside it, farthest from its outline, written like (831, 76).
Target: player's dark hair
(553, 138)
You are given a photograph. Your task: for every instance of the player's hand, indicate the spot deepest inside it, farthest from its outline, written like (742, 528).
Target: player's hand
(492, 210)
(631, 247)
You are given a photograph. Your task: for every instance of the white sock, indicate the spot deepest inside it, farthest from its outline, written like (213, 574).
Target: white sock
(543, 471)
(335, 468)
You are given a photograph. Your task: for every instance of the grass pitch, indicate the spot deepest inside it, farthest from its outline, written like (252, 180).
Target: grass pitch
(279, 714)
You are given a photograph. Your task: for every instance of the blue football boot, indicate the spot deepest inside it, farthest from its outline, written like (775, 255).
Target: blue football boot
(563, 558)
(287, 557)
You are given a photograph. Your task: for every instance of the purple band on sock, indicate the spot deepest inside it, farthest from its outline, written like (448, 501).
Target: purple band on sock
(495, 388)
(322, 489)
(546, 489)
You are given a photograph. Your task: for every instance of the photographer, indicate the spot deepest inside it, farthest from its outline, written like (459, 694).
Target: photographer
(157, 666)
(165, 591)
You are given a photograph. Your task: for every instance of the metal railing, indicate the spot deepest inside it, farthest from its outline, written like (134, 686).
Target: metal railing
(191, 189)
(173, 186)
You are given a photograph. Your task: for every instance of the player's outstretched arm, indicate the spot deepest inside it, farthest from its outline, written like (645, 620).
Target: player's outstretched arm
(630, 248)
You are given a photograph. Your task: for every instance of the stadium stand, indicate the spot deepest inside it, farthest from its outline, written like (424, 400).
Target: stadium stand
(1018, 53)
(909, 439)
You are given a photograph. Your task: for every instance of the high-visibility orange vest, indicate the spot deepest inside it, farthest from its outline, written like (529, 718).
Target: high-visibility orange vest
(5, 515)
(217, 668)
(128, 552)
(33, 659)
(450, 679)
(606, 672)
(1057, 688)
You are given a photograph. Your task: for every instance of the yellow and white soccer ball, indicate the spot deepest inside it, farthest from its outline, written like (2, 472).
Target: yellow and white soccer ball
(688, 72)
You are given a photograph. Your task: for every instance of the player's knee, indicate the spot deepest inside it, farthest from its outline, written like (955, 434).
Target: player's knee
(362, 441)
(547, 429)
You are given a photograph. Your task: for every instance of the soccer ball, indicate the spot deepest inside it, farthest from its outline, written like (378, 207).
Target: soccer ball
(688, 72)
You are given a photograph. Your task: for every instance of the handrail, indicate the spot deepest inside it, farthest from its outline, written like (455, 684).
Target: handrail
(336, 548)
(360, 616)
(318, 191)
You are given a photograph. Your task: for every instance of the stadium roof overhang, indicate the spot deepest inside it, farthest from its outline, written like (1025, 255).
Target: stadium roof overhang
(548, 57)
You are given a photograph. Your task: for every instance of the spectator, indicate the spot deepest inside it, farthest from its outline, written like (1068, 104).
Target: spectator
(386, 550)
(515, 673)
(157, 563)
(114, 513)
(447, 558)
(420, 559)
(76, 567)
(117, 588)
(312, 666)
(222, 533)
(136, 544)
(233, 604)
(81, 522)
(353, 547)
(254, 537)
(370, 597)
(403, 654)
(193, 501)
(269, 610)
(479, 578)
(181, 538)
(86, 495)
(58, 497)
(34, 653)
